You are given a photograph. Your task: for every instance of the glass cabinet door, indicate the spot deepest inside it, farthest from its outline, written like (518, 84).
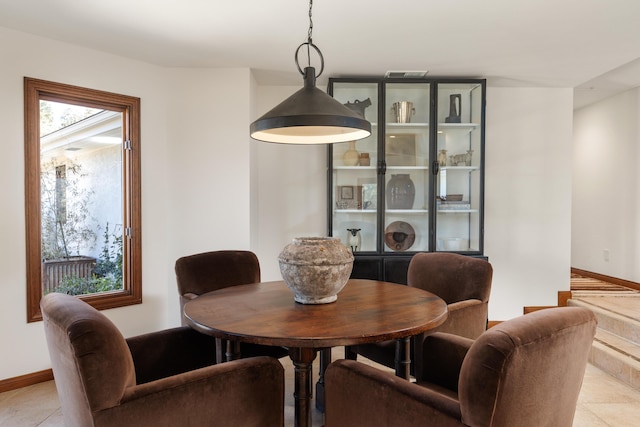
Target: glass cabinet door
(459, 158)
(355, 179)
(406, 155)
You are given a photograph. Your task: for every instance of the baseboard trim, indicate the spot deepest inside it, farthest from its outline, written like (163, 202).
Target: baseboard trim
(563, 297)
(607, 279)
(533, 308)
(493, 323)
(25, 380)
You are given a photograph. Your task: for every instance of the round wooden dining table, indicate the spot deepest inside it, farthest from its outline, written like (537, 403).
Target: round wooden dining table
(366, 311)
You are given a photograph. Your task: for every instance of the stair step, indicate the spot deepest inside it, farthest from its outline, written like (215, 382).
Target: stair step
(624, 347)
(616, 346)
(615, 314)
(615, 363)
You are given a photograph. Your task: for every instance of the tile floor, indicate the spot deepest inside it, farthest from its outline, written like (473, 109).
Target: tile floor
(604, 402)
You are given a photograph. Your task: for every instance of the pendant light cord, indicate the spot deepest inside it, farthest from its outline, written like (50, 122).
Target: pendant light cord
(310, 33)
(309, 44)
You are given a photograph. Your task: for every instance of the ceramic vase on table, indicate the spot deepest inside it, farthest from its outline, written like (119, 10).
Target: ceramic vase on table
(315, 268)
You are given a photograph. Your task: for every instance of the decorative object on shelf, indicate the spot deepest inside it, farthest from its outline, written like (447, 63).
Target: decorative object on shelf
(399, 236)
(403, 111)
(315, 268)
(359, 106)
(442, 158)
(354, 240)
(461, 159)
(401, 192)
(400, 149)
(453, 244)
(310, 116)
(369, 196)
(348, 197)
(453, 205)
(365, 160)
(455, 107)
(351, 156)
(467, 158)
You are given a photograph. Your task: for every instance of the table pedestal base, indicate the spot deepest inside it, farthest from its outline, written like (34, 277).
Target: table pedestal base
(303, 391)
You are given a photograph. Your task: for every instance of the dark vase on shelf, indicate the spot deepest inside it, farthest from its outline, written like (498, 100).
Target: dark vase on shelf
(400, 192)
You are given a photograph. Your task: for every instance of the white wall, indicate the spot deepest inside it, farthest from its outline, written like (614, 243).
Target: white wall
(290, 187)
(605, 187)
(195, 168)
(208, 195)
(206, 185)
(528, 196)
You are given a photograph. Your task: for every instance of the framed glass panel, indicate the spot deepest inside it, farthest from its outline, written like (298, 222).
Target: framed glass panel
(355, 179)
(458, 198)
(406, 152)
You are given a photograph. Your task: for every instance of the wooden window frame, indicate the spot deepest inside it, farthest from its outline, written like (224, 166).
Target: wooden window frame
(34, 91)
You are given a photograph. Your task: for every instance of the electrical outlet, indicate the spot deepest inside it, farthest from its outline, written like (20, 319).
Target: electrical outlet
(605, 254)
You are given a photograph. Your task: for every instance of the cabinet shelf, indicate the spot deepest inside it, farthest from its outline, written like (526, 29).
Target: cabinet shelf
(354, 168)
(454, 211)
(355, 211)
(458, 126)
(446, 127)
(407, 125)
(407, 211)
(459, 168)
(423, 168)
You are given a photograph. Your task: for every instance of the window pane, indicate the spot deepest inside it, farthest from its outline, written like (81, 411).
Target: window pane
(81, 198)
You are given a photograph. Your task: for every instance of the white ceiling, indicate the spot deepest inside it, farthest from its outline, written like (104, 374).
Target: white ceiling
(590, 45)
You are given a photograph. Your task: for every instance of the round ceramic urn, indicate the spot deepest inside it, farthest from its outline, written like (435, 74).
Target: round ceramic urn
(315, 268)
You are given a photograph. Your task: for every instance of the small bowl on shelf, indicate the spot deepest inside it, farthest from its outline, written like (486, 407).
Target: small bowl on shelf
(454, 244)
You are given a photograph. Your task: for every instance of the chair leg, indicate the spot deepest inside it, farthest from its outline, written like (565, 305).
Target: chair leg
(325, 360)
(221, 349)
(403, 358)
(350, 353)
(233, 350)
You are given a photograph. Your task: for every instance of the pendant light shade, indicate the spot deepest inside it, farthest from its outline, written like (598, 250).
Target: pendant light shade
(310, 116)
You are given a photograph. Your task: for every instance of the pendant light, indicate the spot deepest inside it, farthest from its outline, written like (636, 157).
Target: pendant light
(310, 116)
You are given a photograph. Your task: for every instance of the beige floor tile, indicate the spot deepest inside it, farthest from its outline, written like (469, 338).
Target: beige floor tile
(617, 414)
(585, 418)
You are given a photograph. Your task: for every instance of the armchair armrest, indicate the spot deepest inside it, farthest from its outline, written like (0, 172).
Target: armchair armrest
(247, 392)
(170, 352)
(358, 394)
(442, 356)
(466, 318)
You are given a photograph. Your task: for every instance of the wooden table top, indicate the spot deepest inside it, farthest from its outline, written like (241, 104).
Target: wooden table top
(266, 313)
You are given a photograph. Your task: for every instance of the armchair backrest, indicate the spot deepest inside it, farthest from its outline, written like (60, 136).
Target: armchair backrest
(91, 361)
(528, 368)
(209, 271)
(453, 277)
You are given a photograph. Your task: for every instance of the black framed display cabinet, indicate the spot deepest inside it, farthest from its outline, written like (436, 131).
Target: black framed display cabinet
(417, 183)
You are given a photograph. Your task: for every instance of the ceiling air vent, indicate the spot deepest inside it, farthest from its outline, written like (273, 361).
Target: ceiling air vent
(405, 74)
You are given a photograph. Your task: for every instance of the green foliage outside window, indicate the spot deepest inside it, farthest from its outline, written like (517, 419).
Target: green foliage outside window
(107, 274)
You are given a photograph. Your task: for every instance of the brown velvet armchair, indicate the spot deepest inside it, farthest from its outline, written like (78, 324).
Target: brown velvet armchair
(167, 378)
(209, 271)
(525, 372)
(463, 282)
